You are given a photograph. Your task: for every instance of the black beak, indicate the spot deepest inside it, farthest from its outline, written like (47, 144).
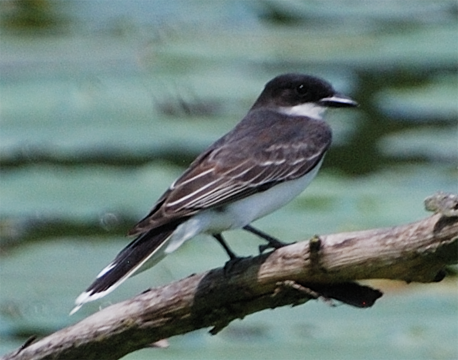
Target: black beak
(338, 100)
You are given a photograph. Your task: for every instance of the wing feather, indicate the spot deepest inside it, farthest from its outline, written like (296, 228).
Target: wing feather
(237, 166)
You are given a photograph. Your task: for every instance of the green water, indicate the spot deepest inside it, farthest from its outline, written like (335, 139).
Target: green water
(103, 104)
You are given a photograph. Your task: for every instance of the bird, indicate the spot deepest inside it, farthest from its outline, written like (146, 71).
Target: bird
(259, 166)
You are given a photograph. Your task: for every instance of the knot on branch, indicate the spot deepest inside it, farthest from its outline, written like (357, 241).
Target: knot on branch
(442, 203)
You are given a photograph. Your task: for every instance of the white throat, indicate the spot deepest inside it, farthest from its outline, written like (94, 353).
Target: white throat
(312, 110)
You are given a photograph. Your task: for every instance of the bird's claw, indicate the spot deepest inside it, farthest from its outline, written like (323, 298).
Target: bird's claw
(272, 245)
(229, 265)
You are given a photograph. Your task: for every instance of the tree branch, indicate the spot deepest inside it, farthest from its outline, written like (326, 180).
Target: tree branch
(288, 276)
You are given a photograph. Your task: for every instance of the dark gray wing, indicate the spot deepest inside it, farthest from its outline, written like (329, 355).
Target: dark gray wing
(266, 148)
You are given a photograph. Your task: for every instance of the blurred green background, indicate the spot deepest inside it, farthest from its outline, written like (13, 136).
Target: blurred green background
(103, 104)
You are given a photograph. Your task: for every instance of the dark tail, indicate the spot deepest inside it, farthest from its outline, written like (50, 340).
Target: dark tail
(142, 253)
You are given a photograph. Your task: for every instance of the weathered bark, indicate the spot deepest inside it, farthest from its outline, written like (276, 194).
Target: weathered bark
(413, 252)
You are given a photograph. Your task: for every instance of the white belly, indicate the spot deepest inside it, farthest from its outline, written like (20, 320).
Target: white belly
(241, 212)
(245, 211)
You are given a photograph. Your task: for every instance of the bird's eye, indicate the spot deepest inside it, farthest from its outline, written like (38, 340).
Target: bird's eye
(301, 89)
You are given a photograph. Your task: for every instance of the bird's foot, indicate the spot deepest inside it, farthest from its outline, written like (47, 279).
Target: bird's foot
(277, 244)
(231, 263)
(272, 243)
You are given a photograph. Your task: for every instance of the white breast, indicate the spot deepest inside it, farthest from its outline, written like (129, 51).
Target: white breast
(241, 212)
(245, 211)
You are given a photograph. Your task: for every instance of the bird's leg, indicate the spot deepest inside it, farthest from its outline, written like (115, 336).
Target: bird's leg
(233, 258)
(226, 247)
(272, 242)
